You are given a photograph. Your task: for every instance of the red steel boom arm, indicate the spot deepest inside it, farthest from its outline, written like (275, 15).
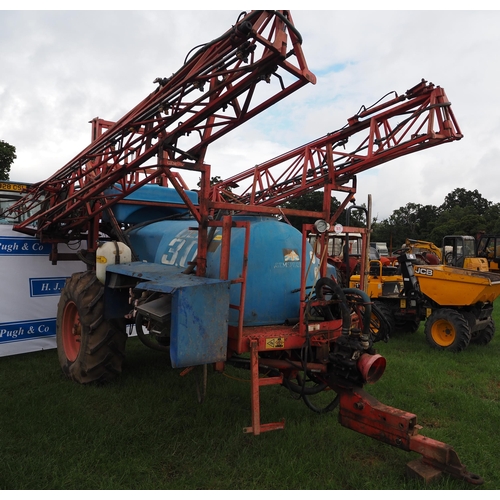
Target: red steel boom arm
(419, 119)
(221, 86)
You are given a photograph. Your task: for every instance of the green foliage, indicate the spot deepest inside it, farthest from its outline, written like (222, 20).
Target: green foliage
(7, 157)
(405, 222)
(493, 219)
(457, 220)
(461, 197)
(462, 212)
(215, 180)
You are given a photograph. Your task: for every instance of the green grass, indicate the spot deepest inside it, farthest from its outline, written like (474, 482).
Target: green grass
(146, 430)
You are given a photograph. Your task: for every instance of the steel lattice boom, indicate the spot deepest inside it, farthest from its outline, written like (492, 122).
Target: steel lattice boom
(419, 119)
(225, 83)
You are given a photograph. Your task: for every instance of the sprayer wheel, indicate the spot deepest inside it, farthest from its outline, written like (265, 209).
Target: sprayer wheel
(90, 348)
(447, 329)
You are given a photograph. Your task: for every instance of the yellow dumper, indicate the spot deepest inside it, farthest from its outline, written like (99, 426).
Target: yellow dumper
(455, 303)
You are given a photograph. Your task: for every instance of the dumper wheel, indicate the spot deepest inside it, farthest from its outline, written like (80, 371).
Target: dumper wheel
(90, 348)
(382, 324)
(484, 336)
(447, 329)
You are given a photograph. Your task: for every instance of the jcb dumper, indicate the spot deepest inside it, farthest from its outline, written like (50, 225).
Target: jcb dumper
(455, 303)
(458, 305)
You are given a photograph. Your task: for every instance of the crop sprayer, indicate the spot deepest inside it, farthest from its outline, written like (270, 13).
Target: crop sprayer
(216, 276)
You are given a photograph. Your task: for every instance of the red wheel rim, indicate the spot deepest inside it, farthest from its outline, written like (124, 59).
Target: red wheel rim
(71, 331)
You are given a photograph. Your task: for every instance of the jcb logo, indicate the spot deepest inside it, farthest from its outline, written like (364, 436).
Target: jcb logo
(424, 271)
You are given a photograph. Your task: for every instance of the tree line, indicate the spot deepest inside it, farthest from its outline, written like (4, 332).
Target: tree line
(462, 212)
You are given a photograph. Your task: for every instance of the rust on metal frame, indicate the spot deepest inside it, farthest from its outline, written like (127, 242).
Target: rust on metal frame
(221, 76)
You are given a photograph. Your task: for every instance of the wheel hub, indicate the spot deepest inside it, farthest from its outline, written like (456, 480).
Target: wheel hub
(71, 331)
(443, 333)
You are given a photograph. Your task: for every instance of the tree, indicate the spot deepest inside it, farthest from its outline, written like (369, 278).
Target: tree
(463, 212)
(428, 216)
(461, 197)
(411, 221)
(215, 180)
(457, 220)
(492, 218)
(7, 156)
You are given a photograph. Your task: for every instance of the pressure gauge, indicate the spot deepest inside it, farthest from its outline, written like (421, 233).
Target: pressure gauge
(321, 226)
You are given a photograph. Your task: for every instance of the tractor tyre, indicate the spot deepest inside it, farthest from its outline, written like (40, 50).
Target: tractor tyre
(90, 348)
(447, 329)
(484, 336)
(380, 329)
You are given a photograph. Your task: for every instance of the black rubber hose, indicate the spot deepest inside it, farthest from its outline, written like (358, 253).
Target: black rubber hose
(367, 315)
(338, 292)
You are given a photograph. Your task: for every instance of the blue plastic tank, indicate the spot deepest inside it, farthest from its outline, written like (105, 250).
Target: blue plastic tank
(274, 262)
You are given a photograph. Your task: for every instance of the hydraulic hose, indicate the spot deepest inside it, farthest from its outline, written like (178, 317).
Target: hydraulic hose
(345, 312)
(366, 302)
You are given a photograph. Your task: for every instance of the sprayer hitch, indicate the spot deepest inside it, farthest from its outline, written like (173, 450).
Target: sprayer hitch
(363, 413)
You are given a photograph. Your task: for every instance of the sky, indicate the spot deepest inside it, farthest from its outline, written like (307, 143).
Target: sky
(60, 69)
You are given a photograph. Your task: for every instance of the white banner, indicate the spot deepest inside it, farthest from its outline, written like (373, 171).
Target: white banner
(31, 289)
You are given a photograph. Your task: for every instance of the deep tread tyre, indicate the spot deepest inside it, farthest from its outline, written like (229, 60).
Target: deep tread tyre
(90, 348)
(447, 329)
(484, 336)
(382, 329)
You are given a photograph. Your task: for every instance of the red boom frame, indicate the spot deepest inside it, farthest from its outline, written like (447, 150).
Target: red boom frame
(419, 119)
(218, 89)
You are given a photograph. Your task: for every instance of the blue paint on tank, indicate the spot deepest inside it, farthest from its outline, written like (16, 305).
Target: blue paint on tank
(134, 213)
(274, 262)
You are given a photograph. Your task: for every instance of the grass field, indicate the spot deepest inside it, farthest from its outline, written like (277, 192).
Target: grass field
(146, 430)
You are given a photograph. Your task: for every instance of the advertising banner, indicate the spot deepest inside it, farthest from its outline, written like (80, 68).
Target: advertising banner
(31, 287)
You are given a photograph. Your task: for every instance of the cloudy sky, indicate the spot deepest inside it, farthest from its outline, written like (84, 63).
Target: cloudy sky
(60, 69)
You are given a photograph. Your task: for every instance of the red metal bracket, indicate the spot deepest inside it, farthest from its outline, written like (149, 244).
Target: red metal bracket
(363, 413)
